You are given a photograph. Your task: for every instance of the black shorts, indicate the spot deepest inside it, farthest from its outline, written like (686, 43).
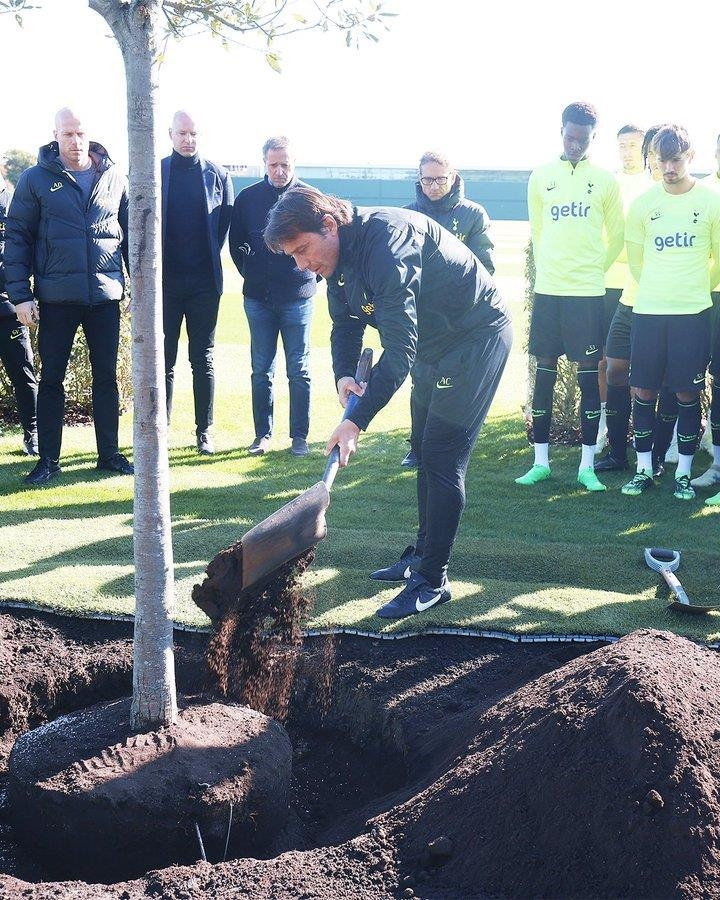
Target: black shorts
(715, 354)
(569, 326)
(610, 304)
(670, 351)
(617, 342)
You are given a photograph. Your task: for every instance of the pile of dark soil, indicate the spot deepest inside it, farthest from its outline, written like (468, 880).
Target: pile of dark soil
(447, 767)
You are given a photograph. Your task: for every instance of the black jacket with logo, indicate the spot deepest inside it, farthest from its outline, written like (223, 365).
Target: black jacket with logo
(421, 287)
(466, 219)
(7, 310)
(265, 274)
(73, 251)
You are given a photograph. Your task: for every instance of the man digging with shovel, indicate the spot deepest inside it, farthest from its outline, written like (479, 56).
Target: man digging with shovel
(440, 315)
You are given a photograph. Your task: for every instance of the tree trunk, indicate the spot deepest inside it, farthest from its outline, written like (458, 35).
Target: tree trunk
(136, 27)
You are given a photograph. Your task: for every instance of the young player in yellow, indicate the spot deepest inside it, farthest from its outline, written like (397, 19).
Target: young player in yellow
(711, 477)
(671, 232)
(576, 225)
(634, 179)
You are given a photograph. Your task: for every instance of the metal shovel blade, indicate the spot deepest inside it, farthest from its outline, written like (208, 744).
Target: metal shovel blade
(287, 533)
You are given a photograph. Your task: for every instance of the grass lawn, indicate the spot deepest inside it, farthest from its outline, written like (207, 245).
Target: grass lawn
(551, 559)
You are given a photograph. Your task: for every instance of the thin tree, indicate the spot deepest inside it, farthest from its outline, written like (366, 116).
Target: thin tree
(141, 27)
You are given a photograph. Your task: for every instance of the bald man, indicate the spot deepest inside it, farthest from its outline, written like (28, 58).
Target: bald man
(197, 202)
(66, 237)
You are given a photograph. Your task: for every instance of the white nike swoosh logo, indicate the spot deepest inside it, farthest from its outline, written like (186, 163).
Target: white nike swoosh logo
(421, 607)
(53, 189)
(407, 573)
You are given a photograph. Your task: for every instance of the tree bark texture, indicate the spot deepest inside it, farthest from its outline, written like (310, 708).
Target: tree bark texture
(136, 27)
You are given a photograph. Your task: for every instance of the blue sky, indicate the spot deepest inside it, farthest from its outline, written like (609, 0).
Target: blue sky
(485, 81)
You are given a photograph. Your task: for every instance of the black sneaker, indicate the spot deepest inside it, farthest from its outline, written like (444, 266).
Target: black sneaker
(42, 473)
(205, 443)
(30, 443)
(401, 570)
(610, 463)
(116, 463)
(658, 467)
(410, 461)
(417, 596)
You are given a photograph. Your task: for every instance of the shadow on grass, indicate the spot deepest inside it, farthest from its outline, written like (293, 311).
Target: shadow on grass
(519, 554)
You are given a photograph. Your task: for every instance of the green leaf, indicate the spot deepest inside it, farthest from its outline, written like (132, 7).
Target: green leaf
(273, 60)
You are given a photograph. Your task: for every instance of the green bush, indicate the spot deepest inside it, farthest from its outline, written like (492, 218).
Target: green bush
(78, 380)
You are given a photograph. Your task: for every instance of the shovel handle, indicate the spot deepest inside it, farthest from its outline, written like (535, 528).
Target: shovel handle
(362, 374)
(675, 586)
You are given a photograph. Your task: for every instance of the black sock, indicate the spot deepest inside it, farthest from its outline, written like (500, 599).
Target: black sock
(617, 411)
(542, 404)
(589, 405)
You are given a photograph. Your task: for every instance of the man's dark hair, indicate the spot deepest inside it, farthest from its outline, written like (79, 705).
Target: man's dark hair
(435, 156)
(671, 140)
(647, 141)
(580, 114)
(630, 129)
(300, 210)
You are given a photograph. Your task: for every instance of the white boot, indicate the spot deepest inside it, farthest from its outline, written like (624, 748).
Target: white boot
(709, 478)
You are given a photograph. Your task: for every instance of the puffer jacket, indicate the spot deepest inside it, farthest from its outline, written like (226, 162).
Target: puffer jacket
(466, 219)
(7, 310)
(73, 251)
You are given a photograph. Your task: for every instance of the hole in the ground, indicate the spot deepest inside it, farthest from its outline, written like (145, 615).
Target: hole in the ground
(346, 754)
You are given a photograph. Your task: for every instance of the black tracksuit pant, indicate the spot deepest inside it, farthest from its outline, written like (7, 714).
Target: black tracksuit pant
(17, 357)
(449, 402)
(58, 324)
(198, 305)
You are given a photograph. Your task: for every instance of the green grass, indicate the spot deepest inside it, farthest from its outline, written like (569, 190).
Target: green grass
(548, 559)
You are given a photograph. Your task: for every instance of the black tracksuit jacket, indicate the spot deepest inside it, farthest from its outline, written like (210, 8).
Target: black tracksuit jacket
(466, 219)
(420, 286)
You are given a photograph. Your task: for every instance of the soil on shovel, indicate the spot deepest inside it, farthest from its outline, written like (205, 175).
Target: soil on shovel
(437, 767)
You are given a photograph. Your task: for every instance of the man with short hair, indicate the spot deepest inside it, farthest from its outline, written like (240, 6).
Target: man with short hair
(672, 232)
(67, 231)
(15, 348)
(440, 194)
(278, 302)
(634, 180)
(576, 224)
(197, 198)
(437, 312)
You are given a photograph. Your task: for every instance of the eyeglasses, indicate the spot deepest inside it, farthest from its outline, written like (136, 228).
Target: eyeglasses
(440, 181)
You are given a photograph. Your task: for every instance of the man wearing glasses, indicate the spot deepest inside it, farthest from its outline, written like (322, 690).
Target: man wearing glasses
(440, 194)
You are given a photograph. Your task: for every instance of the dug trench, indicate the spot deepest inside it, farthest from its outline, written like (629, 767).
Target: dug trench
(436, 767)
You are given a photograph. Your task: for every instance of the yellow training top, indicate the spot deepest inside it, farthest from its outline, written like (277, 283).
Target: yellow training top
(676, 234)
(576, 224)
(631, 186)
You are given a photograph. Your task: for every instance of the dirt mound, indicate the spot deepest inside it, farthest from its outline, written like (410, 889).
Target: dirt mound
(599, 779)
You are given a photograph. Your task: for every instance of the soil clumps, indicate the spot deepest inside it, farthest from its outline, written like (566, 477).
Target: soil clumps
(478, 769)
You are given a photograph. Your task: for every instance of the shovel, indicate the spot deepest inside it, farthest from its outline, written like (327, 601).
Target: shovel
(300, 524)
(666, 562)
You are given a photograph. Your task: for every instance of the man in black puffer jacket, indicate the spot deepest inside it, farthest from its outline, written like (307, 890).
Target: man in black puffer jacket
(67, 231)
(15, 349)
(278, 301)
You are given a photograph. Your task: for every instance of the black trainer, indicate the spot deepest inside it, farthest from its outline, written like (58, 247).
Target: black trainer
(205, 443)
(402, 569)
(30, 443)
(610, 463)
(45, 469)
(417, 596)
(410, 461)
(116, 463)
